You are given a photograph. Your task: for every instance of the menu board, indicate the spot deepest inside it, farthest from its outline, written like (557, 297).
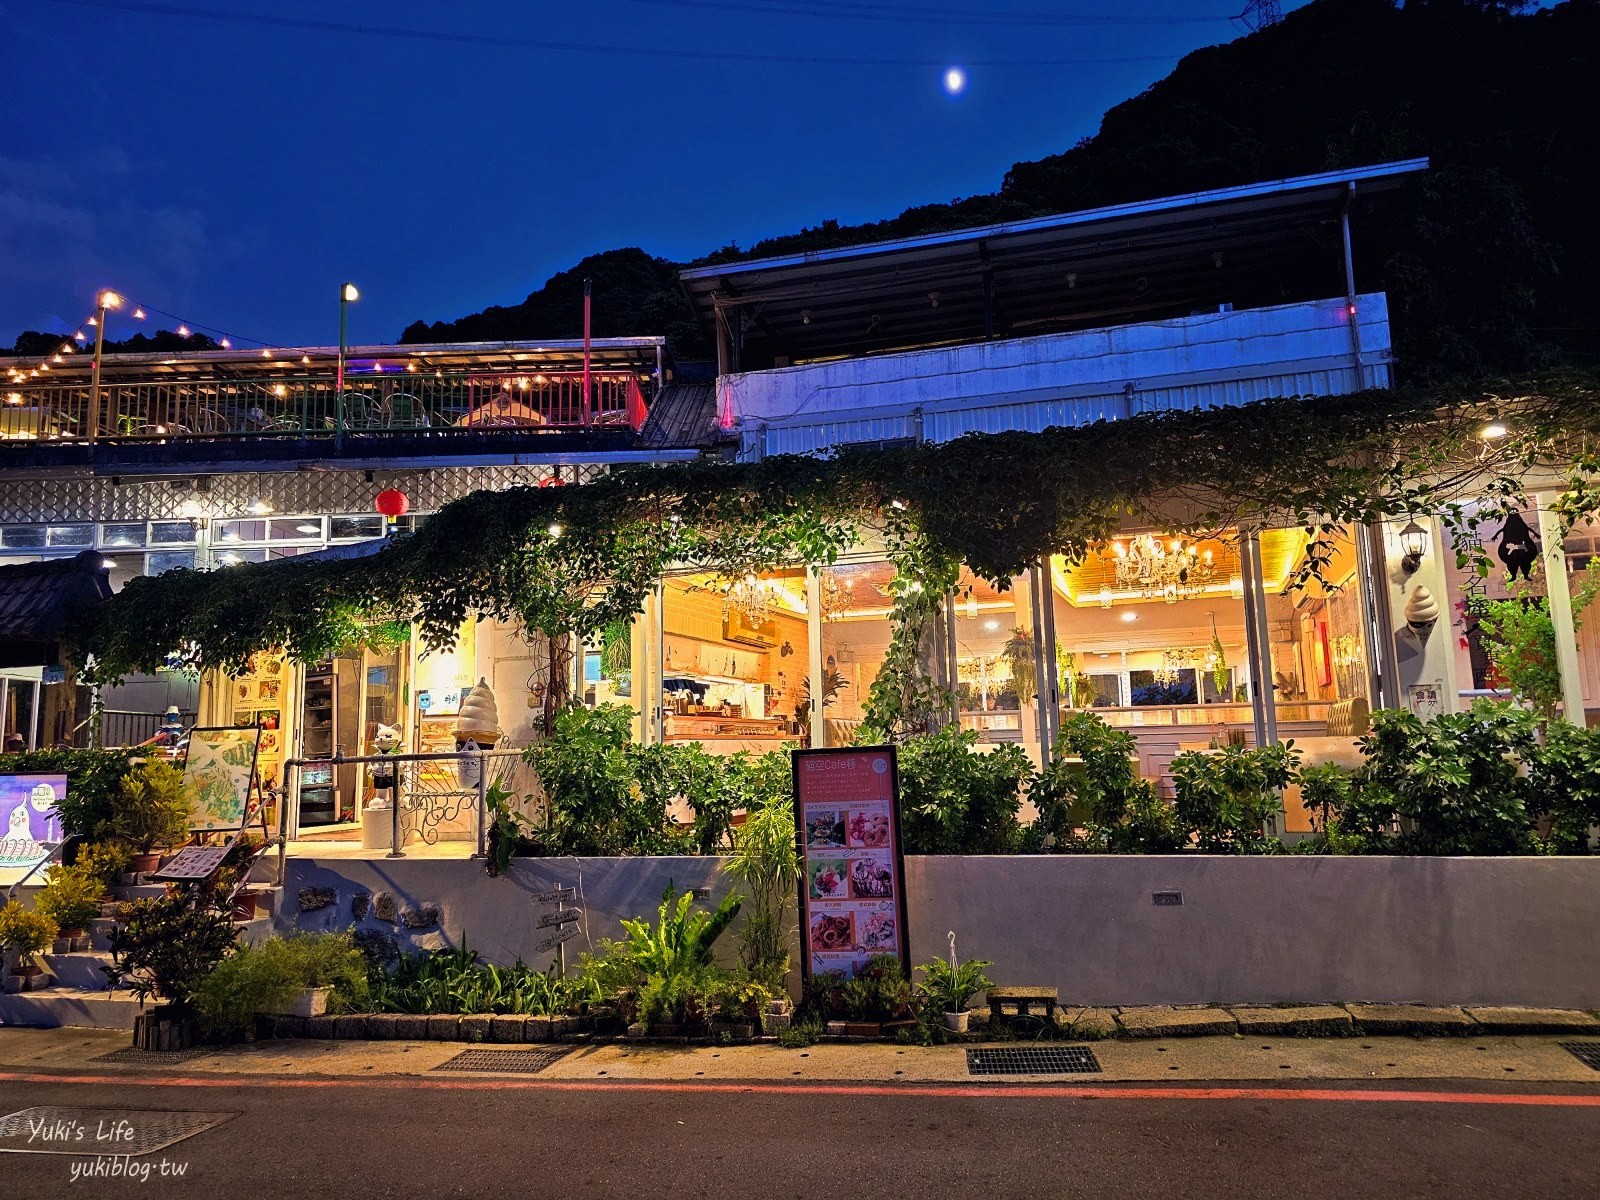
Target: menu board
(852, 883)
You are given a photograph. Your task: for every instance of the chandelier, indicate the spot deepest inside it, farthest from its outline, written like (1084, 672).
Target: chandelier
(751, 598)
(834, 599)
(1177, 660)
(1173, 569)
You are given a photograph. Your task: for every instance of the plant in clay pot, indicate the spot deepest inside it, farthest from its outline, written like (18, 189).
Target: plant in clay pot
(23, 933)
(166, 948)
(948, 986)
(71, 898)
(150, 811)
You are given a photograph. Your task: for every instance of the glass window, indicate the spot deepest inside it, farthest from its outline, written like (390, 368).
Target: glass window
(1315, 633)
(123, 568)
(856, 602)
(168, 560)
(294, 529)
(1163, 687)
(70, 535)
(171, 533)
(241, 531)
(21, 536)
(130, 534)
(232, 558)
(356, 527)
(996, 682)
(735, 655)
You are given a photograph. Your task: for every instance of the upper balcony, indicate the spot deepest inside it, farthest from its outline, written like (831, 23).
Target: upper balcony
(1215, 297)
(235, 408)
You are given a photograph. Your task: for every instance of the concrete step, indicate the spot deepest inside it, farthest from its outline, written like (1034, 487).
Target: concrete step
(138, 891)
(84, 970)
(100, 934)
(53, 1007)
(254, 932)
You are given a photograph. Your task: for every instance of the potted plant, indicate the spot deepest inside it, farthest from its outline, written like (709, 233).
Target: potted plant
(949, 985)
(71, 898)
(24, 932)
(150, 811)
(165, 948)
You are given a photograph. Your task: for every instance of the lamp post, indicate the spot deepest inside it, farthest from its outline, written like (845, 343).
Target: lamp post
(104, 300)
(347, 294)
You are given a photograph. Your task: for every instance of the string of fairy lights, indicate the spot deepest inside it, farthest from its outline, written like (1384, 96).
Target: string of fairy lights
(108, 301)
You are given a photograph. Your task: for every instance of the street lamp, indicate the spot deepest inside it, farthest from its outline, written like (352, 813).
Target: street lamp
(347, 295)
(104, 300)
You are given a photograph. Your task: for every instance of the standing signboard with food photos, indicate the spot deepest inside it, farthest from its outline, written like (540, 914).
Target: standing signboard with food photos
(852, 882)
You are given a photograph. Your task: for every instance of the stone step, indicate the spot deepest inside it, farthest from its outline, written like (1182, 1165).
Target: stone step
(138, 891)
(100, 933)
(84, 970)
(53, 1007)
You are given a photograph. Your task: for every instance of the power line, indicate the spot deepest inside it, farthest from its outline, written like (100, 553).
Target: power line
(522, 43)
(845, 10)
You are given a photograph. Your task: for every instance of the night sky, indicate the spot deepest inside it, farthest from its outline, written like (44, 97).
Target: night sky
(234, 173)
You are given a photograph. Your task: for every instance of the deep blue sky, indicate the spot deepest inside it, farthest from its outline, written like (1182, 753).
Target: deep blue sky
(234, 174)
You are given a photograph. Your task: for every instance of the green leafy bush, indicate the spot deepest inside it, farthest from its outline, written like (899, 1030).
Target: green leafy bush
(453, 980)
(1564, 784)
(150, 809)
(105, 860)
(25, 931)
(947, 989)
(265, 979)
(1455, 784)
(878, 992)
(93, 778)
(1119, 812)
(167, 947)
(957, 800)
(766, 862)
(1226, 796)
(665, 971)
(71, 897)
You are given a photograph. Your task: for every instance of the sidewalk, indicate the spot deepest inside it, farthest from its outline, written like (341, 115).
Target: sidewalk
(1537, 1058)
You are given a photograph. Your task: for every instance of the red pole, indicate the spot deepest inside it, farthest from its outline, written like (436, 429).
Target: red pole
(586, 308)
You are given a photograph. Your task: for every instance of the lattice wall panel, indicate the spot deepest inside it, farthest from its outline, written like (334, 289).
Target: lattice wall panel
(84, 499)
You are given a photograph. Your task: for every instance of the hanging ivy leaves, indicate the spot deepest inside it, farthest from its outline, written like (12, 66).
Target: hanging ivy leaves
(579, 558)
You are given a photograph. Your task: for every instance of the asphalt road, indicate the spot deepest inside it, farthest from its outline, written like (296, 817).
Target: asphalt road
(349, 1139)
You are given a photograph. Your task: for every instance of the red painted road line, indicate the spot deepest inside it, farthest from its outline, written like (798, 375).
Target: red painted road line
(962, 1091)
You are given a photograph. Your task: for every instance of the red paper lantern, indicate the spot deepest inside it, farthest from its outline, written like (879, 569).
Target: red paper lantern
(392, 503)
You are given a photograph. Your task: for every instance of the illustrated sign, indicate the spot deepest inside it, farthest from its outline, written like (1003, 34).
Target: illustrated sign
(217, 775)
(29, 825)
(852, 883)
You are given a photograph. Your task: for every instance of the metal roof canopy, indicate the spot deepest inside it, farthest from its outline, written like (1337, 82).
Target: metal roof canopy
(635, 354)
(1247, 245)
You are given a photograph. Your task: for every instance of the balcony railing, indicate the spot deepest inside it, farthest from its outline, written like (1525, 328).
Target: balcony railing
(311, 407)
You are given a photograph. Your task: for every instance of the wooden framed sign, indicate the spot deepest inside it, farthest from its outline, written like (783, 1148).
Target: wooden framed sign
(852, 881)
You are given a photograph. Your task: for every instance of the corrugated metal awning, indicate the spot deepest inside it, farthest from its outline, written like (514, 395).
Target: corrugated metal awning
(38, 599)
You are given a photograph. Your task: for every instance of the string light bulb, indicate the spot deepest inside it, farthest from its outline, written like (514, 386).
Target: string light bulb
(110, 299)
(91, 321)
(183, 330)
(80, 336)
(226, 344)
(138, 314)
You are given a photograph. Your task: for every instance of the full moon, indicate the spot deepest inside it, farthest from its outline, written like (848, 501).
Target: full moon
(955, 81)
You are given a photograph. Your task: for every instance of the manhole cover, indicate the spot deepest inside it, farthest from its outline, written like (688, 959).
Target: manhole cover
(48, 1129)
(520, 1062)
(1033, 1060)
(151, 1058)
(1588, 1053)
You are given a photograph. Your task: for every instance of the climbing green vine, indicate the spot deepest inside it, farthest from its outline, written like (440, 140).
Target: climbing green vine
(577, 559)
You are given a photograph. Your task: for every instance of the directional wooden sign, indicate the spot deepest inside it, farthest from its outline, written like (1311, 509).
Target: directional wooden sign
(555, 939)
(558, 918)
(560, 895)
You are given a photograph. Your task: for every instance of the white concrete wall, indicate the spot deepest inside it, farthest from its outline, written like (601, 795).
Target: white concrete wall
(1431, 930)
(1031, 383)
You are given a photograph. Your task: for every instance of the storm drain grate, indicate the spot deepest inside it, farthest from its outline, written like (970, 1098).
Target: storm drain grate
(1033, 1060)
(1588, 1053)
(49, 1129)
(151, 1058)
(519, 1062)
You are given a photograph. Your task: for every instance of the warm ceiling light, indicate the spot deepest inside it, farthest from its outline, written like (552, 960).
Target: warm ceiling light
(260, 508)
(1493, 427)
(554, 529)
(308, 527)
(1130, 616)
(991, 625)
